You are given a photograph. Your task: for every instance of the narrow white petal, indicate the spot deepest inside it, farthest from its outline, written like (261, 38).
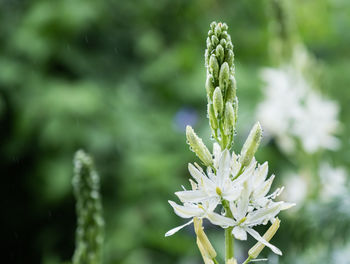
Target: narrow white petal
(174, 230)
(261, 174)
(264, 188)
(195, 173)
(239, 233)
(286, 206)
(192, 196)
(220, 220)
(256, 235)
(186, 211)
(224, 167)
(242, 205)
(261, 215)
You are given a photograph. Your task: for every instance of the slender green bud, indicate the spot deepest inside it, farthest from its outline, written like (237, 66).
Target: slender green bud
(214, 66)
(220, 53)
(229, 121)
(198, 147)
(89, 233)
(212, 119)
(224, 76)
(251, 145)
(231, 90)
(229, 57)
(209, 86)
(254, 252)
(218, 102)
(207, 247)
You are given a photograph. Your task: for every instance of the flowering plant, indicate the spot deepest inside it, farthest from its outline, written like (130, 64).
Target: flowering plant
(235, 182)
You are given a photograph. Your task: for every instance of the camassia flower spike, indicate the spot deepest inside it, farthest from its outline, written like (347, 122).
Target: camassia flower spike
(235, 185)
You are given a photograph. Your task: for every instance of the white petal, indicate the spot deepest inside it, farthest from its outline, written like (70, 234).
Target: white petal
(242, 204)
(224, 168)
(286, 206)
(261, 215)
(195, 173)
(220, 220)
(264, 188)
(174, 230)
(192, 196)
(256, 235)
(261, 174)
(239, 233)
(186, 211)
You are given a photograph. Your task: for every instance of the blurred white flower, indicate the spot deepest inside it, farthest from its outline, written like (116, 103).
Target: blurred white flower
(333, 181)
(292, 109)
(297, 189)
(341, 255)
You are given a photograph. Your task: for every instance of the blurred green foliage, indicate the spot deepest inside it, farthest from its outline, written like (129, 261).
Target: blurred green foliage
(122, 79)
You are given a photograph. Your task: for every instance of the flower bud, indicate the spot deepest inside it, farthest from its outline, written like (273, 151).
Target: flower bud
(198, 147)
(223, 42)
(203, 239)
(220, 53)
(258, 247)
(214, 66)
(224, 76)
(209, 85)
(214, 40)
(251, 145)
(231, 90)
(229, 57)
(218, 102)
(212, 119)
(218, 29)
(229, 119)
(213, 25)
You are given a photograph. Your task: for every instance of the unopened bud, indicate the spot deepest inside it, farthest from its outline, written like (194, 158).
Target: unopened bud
(229, 56)
(214, 40)
(218, 29)
(220, 53)
(203, 239)
(212, 119)
(198, 147)
(258, 247)
(209, 85)
(251, 145)
(231, 90)
(229, 121)
(218, 102)
(224, 76)
(214, 66)
(223, 42)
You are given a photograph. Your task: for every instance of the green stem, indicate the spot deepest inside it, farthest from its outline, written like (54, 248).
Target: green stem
(229, 244)
(247, 260)
(215, 261)
(229, 239)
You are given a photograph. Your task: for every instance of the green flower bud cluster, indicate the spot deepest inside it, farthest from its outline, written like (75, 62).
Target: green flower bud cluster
(221, 84)
(89, 233)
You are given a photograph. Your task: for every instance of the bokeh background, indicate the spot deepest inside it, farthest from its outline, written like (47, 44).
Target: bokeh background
(122, 79)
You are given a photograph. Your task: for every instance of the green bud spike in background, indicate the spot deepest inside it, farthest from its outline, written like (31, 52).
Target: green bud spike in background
(89, 233)
(221, 85)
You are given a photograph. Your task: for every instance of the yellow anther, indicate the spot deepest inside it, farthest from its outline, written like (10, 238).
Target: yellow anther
(218, 191)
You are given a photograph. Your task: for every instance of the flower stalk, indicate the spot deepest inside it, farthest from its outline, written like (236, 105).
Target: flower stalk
(89, 232)
(235, 183)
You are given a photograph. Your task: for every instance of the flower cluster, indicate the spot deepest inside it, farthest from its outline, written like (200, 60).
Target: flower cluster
(242, 192)
(302, 109)
(232, 191)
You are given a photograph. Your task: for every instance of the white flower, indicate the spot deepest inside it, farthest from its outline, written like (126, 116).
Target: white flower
(297, 188)
(255, 207)
(333, 181)
(214, 186)
(317, 123)
(293, 109)
(200, 210)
